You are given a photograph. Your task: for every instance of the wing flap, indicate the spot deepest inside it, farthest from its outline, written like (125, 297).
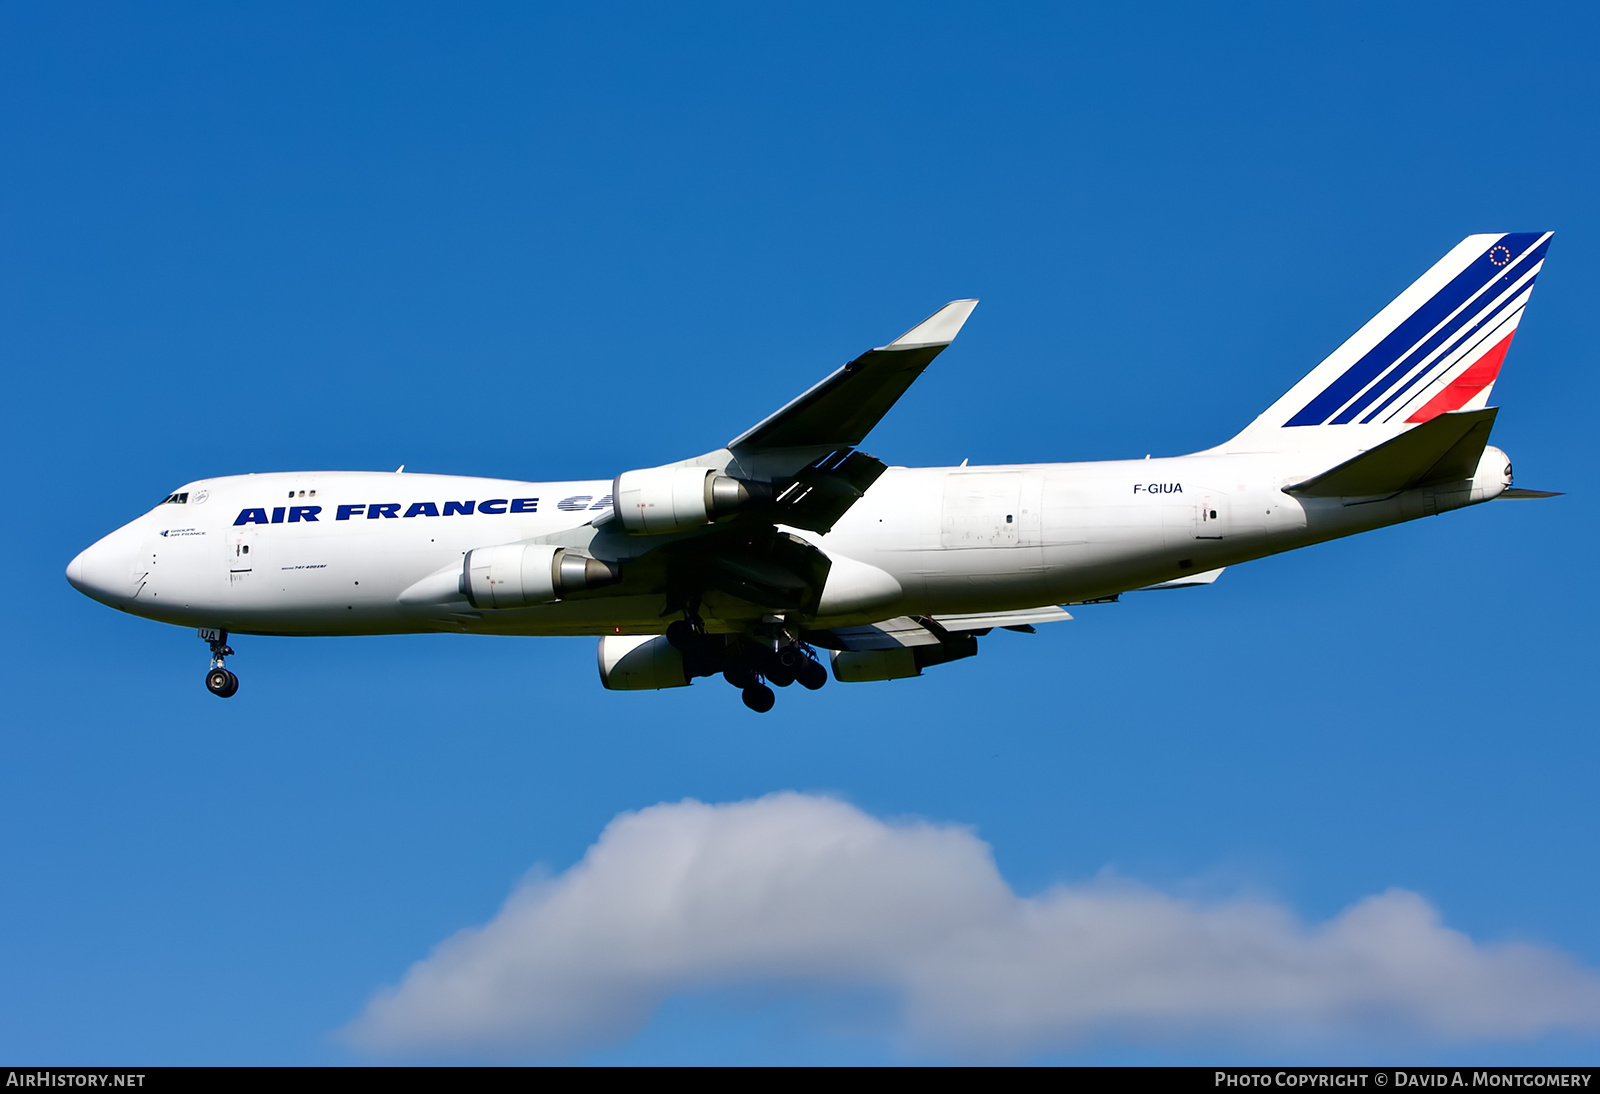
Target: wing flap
(822, 493)
(906, 631)
(890, 634)
(977, 621)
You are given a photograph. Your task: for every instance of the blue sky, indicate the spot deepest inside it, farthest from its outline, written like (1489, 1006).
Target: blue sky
(562, 241)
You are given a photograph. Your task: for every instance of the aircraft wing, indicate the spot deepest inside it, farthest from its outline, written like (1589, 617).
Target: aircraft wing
(909, 631)
(837, 414)
(797, 469)
(806, 451)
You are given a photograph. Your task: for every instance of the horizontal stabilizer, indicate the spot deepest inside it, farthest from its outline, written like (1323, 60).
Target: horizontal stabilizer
(1513, 493)
(1204, 578)
(1443, 449)
(840, 411)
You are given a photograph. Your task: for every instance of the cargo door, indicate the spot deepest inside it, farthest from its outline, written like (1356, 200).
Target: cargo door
(981, 509)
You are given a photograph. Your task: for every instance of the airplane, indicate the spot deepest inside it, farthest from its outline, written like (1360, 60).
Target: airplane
(748, 560)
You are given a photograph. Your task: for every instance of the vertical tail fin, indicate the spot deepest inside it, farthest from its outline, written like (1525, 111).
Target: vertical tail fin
(1436, 348)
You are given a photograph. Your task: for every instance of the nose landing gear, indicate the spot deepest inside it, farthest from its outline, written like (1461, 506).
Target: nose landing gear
(219, 681)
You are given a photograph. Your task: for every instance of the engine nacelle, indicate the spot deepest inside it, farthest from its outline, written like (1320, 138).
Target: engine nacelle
(520, 575)
(857, 667)
(676, 499)
(640, 662)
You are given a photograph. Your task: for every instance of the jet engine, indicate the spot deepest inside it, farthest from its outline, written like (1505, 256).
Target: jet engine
(675, 499)
(854, 667)
(518, 575)
(640, 662)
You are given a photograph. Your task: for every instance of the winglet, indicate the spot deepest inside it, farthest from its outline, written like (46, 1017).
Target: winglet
(939, 329)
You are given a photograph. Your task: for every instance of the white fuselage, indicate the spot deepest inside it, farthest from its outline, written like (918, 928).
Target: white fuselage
(329, 553)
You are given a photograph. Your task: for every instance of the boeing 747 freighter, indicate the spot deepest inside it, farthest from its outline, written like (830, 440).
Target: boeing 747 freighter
(789, 540)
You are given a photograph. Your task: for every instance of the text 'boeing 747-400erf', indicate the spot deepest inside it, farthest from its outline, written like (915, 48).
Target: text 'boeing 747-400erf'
(747, 561)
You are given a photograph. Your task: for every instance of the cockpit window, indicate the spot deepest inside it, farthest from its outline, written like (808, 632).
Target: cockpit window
(177, 499)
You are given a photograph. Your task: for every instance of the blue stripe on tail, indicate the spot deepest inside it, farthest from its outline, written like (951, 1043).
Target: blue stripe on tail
(1494, 316)
(1461, 288)
(1450, 329)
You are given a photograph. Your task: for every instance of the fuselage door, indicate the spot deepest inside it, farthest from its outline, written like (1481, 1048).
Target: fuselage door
(1211, 516)
(981, 508)
(241, 555)
(144, 564)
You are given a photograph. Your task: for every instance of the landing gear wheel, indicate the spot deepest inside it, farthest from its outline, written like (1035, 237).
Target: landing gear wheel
(780, 676)
(681, 635)
(759, 698)
(811, 675)
(221, 683)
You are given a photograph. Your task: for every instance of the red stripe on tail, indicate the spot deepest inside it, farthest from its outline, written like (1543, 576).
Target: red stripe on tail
(1479, 375)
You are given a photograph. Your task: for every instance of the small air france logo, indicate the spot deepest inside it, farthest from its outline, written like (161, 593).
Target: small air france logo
(1499, 254)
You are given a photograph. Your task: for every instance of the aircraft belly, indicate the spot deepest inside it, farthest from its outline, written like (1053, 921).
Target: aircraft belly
(600, 616)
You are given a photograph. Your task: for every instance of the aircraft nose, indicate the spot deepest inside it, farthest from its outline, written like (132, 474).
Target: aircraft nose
(104, 570)
(75, 572)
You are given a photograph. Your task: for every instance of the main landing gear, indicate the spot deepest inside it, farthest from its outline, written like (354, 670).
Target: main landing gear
(752, 666)
(219, 681)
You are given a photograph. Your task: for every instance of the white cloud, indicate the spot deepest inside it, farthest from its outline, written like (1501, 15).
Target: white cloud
(800, 889)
